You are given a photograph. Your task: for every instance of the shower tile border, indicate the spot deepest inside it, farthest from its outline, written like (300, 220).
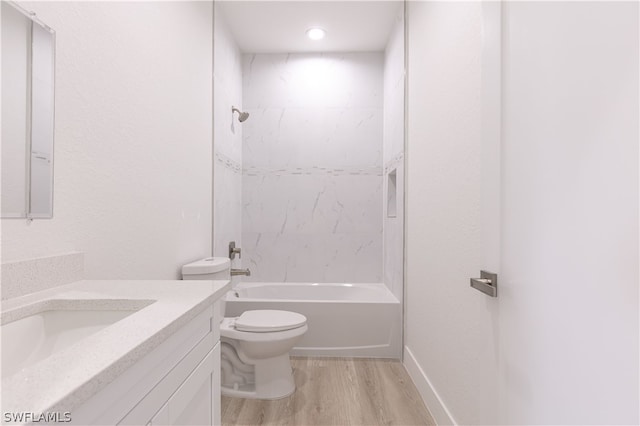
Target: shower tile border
(313, 171)
(227, 162)
(394, 162)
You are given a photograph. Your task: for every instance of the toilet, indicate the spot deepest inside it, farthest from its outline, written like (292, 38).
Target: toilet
(254, 346)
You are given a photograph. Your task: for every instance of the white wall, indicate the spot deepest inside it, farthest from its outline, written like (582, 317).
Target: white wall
(393, 158)
(312, 153)
(133, 139)
(227, 182)
(450, 337)
(560, 343)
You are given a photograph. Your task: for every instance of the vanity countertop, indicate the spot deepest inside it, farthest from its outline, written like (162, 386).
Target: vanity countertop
(72, 375)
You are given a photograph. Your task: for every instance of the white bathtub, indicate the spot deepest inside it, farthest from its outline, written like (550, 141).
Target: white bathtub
(350, 320)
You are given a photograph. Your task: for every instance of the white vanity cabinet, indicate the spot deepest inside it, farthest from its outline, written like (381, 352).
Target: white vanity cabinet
(192, 404)
(178, 383)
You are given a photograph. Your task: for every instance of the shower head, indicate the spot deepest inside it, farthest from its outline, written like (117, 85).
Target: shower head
(242, 116)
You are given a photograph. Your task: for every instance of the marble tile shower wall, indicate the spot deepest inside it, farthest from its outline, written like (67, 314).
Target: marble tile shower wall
(227, 167)
(393, 157)
(312, 167)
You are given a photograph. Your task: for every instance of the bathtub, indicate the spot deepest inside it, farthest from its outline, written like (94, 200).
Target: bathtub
(345, 320)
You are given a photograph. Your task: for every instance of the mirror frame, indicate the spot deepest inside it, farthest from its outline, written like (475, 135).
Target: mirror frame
(42, 207)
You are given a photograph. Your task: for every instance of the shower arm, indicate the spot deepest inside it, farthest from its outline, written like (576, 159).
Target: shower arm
(242, 116)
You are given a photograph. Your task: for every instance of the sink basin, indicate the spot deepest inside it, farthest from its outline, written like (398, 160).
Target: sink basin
(52, 328)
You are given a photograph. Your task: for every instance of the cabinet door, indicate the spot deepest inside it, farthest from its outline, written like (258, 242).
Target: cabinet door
(197, 400)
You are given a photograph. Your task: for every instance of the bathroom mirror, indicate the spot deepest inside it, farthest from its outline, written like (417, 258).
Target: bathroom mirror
(28, 55)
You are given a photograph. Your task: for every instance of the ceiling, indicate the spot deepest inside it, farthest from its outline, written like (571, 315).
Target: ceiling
(279, 26)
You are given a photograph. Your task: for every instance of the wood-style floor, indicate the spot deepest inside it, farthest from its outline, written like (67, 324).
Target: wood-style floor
(337, 391)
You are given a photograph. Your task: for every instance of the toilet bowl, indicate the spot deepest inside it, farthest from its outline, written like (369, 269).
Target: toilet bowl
(254, 346)
(257, 346)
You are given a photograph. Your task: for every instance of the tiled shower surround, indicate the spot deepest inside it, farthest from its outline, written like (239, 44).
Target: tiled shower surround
(227, 167)
(393, 159)
(312, 167)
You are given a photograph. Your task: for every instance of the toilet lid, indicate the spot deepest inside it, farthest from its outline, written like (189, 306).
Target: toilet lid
(269, 320)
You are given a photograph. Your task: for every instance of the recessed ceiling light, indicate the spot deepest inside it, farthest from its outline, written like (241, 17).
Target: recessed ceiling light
(316, 33)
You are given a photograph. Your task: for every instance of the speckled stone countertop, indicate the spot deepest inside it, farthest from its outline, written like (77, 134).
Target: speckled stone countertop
(72, 375)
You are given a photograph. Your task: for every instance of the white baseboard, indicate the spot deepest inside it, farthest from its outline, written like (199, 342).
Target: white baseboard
(429, 395)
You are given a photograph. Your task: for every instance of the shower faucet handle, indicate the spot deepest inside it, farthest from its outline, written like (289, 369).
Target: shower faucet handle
(233, 250)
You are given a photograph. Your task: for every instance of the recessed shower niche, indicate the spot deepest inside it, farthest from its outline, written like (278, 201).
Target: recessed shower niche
(392, 198)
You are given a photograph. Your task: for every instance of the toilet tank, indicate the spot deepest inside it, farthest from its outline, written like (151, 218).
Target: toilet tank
(211, 268)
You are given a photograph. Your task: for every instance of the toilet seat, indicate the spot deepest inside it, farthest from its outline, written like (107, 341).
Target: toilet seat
(267, 321)
(228, 329)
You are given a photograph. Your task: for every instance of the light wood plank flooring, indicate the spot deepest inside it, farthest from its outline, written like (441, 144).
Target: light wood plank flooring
(337, 391)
